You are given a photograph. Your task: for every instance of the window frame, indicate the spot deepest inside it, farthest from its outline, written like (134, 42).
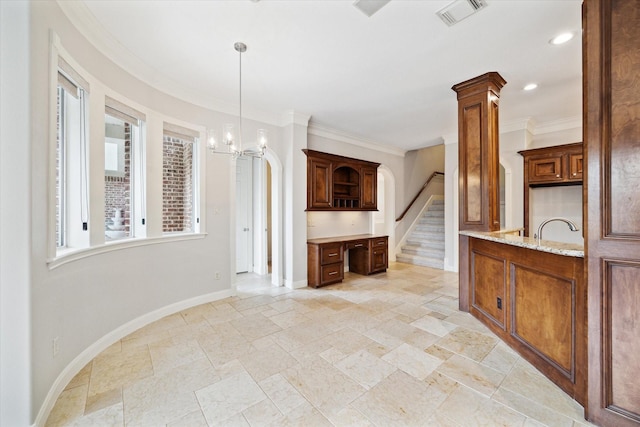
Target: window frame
(153, 126)
(137, 169)
(186, 135)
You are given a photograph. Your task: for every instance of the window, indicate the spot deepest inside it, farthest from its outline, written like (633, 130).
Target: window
(72, 178)
(124, 183)
(179, 180)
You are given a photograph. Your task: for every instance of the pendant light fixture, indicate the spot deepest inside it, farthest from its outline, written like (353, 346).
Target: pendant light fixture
(231, 143)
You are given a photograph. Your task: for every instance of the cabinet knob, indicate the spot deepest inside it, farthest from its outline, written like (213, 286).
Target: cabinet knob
(558, 176)
(575, 173)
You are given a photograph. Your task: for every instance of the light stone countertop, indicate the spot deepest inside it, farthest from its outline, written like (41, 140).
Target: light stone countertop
(510, 237)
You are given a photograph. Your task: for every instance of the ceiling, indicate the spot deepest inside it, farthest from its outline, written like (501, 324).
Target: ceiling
(384, 79)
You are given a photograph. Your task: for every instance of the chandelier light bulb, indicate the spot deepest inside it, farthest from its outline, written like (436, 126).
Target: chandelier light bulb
(212, 139)
(262, 138)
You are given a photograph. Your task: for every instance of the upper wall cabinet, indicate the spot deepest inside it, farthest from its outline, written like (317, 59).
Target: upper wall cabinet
(340, 183)
(550, 166)
(557, 165)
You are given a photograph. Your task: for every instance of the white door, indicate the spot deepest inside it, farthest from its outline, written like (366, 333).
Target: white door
(243, 215)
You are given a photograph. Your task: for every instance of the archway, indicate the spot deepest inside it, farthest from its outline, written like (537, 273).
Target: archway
(384, 221)
(271, 215)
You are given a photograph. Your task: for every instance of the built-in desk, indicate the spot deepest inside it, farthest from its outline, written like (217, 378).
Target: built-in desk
(368, 254)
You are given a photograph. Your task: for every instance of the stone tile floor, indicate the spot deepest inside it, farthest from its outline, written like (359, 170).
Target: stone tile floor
(385, 350)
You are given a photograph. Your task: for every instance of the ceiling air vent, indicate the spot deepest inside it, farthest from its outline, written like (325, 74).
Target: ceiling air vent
(460, 9)
(369, 7)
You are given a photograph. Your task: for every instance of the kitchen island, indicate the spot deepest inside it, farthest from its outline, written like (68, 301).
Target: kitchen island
(533, 296)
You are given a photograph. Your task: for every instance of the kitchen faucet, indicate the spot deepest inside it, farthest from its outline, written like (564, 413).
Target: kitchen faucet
(571, 224)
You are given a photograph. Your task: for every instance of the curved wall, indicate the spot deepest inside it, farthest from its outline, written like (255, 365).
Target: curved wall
(88, 303)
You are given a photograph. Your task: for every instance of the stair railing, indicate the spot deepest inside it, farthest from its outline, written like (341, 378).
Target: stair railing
(426, 184)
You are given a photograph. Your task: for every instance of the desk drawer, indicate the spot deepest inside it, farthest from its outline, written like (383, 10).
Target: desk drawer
(380, 242)
(354, 244)
(330, 253)
(332, 273)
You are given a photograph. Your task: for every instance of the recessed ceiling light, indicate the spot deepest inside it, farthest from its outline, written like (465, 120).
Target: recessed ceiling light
(561, 38)
(530, 86)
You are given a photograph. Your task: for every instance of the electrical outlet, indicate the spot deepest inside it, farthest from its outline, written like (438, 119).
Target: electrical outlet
(55, 346)
(499, 303)
(217, 275)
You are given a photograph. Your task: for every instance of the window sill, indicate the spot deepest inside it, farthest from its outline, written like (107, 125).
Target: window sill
(66, 256)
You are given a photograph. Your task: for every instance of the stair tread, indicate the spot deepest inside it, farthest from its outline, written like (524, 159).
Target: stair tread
(425, 242)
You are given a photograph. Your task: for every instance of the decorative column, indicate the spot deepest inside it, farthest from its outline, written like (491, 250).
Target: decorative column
(478, 164)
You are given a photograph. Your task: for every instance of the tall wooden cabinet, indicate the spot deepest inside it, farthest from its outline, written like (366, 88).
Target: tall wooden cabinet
(340, 183)
(611, 55)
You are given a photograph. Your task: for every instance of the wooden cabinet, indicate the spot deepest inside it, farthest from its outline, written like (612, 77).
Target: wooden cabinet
(369, 190)
(319, 183)
(550, 166)
(537, 303)
(575, 166)
(557, 165)
(379, 255)
(373, 259)
(325, 263)
(325, 257)
(340, 183)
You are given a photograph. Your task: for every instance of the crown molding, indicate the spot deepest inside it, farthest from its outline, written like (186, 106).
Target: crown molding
(535, 128)
(292, 117)
(527, 124)
(558, 125)
(336, 135)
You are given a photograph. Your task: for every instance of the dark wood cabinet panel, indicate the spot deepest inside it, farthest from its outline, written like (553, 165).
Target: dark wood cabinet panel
(379, 255)
(542, 313)
(575, 166)
(319, 179)
(340, 183)
(622, 286)
(545, 170)
(488, 290)
(325, 257)
(369, 196)
(611, 63)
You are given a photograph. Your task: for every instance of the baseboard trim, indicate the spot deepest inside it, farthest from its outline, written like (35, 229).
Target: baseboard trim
(295, 285)
(101, 344)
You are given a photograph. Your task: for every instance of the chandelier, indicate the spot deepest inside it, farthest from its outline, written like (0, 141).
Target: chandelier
(231, 143)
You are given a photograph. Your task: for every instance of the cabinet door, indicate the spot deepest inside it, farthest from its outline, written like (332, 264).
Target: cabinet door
(319, 176)
(379, 255)
(575, 166)
(378, 260)
(369, 188)
(546, 169)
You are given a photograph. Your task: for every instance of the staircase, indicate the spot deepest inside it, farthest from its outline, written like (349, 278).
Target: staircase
(425, 243)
